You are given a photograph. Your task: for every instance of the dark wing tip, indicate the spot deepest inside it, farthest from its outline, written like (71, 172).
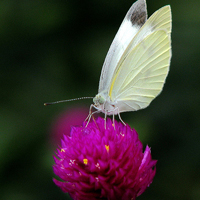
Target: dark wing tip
(137, 14)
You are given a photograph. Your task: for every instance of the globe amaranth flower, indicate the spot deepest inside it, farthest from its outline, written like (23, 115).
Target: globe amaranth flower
(95, 162)
(64, 121)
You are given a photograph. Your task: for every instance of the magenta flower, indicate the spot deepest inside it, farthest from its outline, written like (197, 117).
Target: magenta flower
(62, 124)
(98, 163)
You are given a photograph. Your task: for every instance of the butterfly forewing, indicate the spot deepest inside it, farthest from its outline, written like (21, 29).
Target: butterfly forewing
(159, 20)
(133, 21)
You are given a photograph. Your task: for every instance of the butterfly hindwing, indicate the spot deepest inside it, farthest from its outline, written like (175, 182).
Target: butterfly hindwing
(142, 74)
(149, 50)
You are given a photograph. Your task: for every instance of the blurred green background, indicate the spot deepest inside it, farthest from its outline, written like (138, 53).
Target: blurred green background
(54, 49)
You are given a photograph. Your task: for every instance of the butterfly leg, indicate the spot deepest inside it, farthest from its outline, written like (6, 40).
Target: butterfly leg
(114, 120)
(105, 120)
(91, 114)
(121, 119)
(120, 116)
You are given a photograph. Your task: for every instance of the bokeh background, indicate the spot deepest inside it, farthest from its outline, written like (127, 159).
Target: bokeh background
(54, 49)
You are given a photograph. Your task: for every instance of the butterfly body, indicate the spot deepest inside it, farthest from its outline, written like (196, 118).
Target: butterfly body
(104, 104)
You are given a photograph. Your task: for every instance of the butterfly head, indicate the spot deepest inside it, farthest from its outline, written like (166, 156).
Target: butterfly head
(104, 104)
(98, 100)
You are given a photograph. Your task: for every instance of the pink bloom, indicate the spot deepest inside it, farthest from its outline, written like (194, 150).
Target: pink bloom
(98, 163)
(62, 124)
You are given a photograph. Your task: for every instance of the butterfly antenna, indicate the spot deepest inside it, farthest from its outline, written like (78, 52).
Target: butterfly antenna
(51, 103)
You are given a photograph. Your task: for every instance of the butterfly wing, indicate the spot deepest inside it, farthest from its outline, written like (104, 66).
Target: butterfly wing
(159, 20)
(141, 75)
(133, 21)
(141, 72)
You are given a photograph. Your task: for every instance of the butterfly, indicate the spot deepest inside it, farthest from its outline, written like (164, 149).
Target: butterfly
(137, 63)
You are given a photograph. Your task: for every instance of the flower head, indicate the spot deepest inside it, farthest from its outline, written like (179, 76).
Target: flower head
(64, 121)
(95, 162)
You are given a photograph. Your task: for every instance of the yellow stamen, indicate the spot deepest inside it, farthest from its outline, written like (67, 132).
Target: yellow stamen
(85, 161)
(62, 150)
(107, 148)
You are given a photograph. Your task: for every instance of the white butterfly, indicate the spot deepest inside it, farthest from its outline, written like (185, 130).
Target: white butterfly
(137, 63)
